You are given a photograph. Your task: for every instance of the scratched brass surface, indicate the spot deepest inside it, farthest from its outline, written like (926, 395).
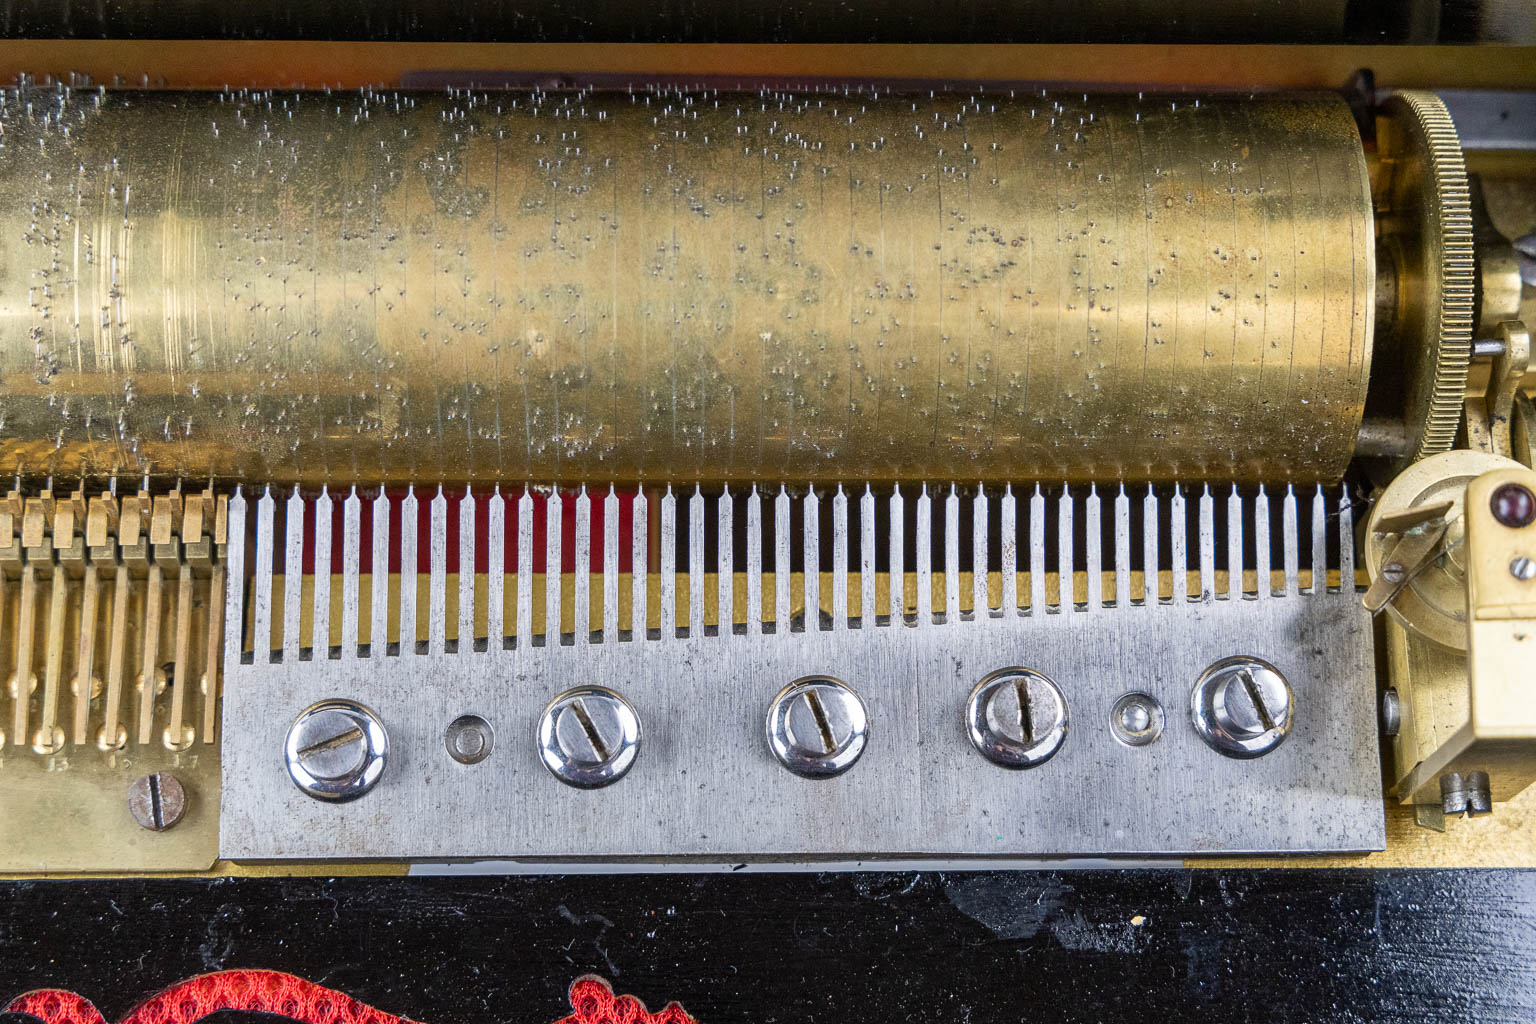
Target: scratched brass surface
(590, 286)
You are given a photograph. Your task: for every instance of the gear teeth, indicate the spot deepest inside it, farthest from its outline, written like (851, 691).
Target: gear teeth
(1453, 202)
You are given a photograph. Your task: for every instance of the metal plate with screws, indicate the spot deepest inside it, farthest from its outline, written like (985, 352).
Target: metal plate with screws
(709, 786)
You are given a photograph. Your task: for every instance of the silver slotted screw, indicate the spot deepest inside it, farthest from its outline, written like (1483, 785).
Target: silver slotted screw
(589, 737)
(1242, 707)
(817, 727)
(336, 750)
(157, 801)
(1016, 718)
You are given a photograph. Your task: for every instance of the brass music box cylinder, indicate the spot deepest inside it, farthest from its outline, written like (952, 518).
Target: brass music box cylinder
(666, 285)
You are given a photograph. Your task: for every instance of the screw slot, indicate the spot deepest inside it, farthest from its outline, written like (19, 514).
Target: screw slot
(157, 801)
(336, 750)
(817, 727)
(1242, 707)
(589, 737)
(1016, 718)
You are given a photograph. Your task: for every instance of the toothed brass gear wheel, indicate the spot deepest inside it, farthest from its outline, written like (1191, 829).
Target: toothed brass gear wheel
(1424, 246)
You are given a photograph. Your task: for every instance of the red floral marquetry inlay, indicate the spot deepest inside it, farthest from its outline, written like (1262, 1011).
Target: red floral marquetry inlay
(592, 1002)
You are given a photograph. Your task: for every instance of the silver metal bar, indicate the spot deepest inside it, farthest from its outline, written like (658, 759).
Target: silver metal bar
(611, 567)
(810, 515)
(581, 575)
(234, 593)
(1149, 547)
(495, 572)
(320, 634)
(639, 561)
(351, 571)
(1037, 603)
(410, 531)
(1319, 541)
(1346, 543)
(466, 624)
(980, 600)
(261, 639)
(781, 566)
(1065, 567)
(754, 562)
(952, 555)
(554, 521)
(1093, 537)
(867, 543)
(1261, 565)
(897, 571)
(696, 562)
(1178, 544)
(378, 585)
(1008, 553)
(839, 559)
(1122, 549)
(924, 558)
(1290, 531)
(1207, 512)
(1234, 545)
(293, 573)
(437, 573)
(525, 570)
(668, 563)
(725, 579)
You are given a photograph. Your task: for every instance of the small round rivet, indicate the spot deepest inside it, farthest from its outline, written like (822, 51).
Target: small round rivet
(589, 737)
(336, 750)
(1241, 707)
(1523, 568)
(1136, 719)
(817, 727)
(1016, 718)
(469, 739)
(157, 801)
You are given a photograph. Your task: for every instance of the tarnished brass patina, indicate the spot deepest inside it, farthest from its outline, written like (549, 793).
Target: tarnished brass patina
(665, 285)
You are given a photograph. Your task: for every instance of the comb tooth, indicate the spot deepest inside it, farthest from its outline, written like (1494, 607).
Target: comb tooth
(1122, 549)
(117, 655)
(898, 573)
(1261, 543)
(1037, 552)
(466, 630)
(980, 603)
(378, 581)
(1234, 545)
(581, 576)
(53, 669)
(351, 571)
(321, 634)
(1207, 545)
(261, 643)
(1093, 529)
(176, 731)
(952, 555)
(293, 574)
(924, 558)
(1289, 541)
(554, 521)
(524, 610)
(1346, 542)
(810, 515)
(781, 567)
(1008, 555)
(210, 684)
(1178, 544)
(611, 567)
(1066, 568)
(234, 593)
(149, 666)
(85, 655)
(668, 554)
(696, 563)
(409, 562)
(437, 569)
(1319, 542)
(26, 630)
(725, 578)
(1149, 524)
(638, 564)
(840, 559)
(754, 563)
(495, 571)
(867, 558)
